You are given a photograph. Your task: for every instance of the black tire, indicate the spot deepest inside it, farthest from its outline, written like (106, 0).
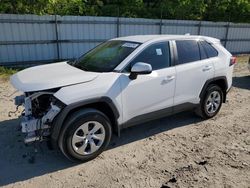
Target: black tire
(73, 123)
(201, 110)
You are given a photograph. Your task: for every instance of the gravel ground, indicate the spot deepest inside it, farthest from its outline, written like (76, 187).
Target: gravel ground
(177, 151)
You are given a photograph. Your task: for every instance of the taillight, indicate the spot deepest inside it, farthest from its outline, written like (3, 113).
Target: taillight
(232, 60)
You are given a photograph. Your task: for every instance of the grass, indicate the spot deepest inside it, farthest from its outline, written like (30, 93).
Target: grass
(5, 73)
(242, 58)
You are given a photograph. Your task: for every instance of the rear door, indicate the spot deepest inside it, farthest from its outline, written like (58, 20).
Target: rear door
(193, 69)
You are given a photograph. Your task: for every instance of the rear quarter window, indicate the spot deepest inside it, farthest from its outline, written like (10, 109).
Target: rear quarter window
(209, 49)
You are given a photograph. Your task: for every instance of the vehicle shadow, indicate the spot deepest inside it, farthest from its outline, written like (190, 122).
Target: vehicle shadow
(19, 162)
(152, 128)
(242, 82)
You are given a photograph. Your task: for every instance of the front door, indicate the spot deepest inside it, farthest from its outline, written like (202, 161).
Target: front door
(152, 92)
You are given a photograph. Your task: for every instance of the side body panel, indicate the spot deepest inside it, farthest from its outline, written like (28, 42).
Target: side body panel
(147, 93)
(221, 66)
(190, 79)
(105, 85)
(153, 92)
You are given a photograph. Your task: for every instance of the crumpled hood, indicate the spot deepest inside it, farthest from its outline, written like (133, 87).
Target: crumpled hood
(50, 76)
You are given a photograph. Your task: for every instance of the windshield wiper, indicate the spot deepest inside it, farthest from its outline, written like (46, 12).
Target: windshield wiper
(72, 62)
(80, 67)
(84, 68)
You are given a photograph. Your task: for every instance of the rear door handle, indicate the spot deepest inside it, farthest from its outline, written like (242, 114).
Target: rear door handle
(207, 68)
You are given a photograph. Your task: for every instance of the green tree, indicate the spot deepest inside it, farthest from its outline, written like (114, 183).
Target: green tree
(214, 10)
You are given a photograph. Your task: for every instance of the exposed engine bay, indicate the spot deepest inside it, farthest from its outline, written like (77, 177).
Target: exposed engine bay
(40, 108)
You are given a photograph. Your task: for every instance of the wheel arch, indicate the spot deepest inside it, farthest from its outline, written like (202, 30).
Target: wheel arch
(220, 81)
(103, 104)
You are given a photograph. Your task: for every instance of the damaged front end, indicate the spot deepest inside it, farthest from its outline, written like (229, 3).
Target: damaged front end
(40, 109)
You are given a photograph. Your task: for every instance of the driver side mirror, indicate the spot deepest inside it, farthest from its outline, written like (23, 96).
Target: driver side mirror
(140, 68)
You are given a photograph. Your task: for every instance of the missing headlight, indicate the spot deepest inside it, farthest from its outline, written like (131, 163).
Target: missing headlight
(40, 110)
(19, 100)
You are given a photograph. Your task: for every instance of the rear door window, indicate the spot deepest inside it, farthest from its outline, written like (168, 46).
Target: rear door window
(188, 51)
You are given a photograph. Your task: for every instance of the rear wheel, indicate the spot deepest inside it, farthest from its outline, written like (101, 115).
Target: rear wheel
(86, 134)
(211, 102)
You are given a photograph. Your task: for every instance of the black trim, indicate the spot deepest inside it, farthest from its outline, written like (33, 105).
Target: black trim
(133, 75)
(199, 45)
(212, 80)
(59, 120)
(184, 107)
(147, 117)
(157, 114)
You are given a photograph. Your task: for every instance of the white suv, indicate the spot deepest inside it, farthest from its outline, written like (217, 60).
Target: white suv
(122, 82)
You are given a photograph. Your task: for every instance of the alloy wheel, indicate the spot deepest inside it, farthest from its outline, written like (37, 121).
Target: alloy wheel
(88, 138)
(213, 102)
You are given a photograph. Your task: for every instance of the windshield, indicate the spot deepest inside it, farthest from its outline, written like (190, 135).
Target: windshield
(106, 56)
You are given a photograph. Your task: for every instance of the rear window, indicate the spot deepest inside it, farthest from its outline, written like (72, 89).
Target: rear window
(209, 49)
(188, 51)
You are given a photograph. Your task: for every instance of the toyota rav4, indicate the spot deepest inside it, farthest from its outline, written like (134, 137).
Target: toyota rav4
(79, 104)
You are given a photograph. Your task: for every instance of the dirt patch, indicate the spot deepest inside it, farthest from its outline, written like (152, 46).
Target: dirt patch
(178, 151)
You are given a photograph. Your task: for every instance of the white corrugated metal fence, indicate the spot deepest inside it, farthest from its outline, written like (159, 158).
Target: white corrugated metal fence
(29, 39)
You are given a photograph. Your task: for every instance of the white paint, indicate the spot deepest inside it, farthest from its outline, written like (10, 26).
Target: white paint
(50, 76)
(148, 93)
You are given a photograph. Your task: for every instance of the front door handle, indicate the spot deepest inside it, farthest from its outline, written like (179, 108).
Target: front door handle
(207, 68)
(168, 79)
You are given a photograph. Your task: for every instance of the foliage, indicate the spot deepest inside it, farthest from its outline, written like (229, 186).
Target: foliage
(214, 10)
(6, 72)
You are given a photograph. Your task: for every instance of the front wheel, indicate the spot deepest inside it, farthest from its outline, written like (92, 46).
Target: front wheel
(86, 134)
(211, 102)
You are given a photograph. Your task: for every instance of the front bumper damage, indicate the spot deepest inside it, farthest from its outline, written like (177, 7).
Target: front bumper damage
(36, 128)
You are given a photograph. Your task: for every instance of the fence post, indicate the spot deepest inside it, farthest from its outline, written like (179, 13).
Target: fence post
(57, 44)
(226, 34)
(118, 22)
(160, 25)
(199, 28)
(118, 27)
